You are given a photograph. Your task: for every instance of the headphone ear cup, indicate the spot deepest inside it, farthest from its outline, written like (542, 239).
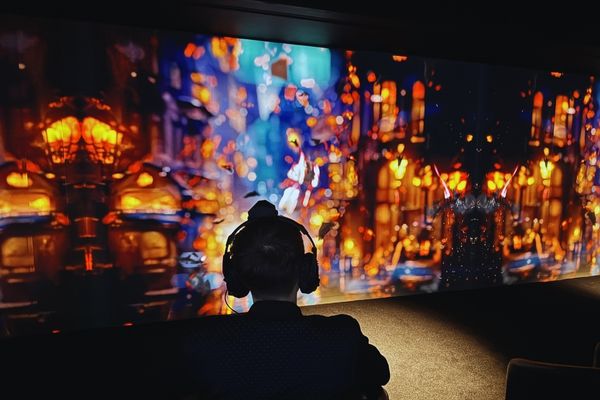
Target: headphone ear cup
(308, 281)
(234, 285)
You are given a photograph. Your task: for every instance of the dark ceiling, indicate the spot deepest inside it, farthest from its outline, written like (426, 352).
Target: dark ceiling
(549, 35)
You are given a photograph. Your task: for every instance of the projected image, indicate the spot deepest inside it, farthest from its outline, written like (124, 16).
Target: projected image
(128, 156)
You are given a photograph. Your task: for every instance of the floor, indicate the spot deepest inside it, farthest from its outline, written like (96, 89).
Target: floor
(456, 345)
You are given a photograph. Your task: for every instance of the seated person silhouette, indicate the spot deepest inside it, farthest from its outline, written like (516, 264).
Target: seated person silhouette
(273, 351)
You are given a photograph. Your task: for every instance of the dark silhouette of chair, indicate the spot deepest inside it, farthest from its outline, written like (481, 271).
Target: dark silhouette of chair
(527, 379)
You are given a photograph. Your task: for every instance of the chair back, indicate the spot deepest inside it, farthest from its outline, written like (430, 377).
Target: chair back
(527, 379)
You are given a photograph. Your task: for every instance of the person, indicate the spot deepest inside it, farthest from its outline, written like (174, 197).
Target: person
(274, 351)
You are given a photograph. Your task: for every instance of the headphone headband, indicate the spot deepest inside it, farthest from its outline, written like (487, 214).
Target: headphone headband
(287, 220)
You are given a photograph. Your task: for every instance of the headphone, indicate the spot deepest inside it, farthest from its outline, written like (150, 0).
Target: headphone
(308, 279)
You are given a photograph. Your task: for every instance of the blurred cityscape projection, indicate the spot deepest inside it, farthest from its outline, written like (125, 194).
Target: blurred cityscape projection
(127, 156)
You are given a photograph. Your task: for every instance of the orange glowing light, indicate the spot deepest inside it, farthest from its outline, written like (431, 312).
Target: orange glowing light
(144, 179)
(311, 122)
(371, 77)
(425, 248)
(62, 138)
(489, 138)
(556, 74)
(95, 131)
(17, 203)
(469, 137)
(416, 181)
(19, 180)
(399, 58)
(89, 260)
(189, 49)
(218, 47)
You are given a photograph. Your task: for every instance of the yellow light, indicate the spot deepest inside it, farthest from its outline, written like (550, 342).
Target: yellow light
(293, 138)
(129, 202)
(546, 168)
(41, 204)
(399, 167)
(118, 175)
(546, 151)
(469, 137)
(427, 180)
(50, 175)
(400, 148)
(416, 181)
(349, 244)
(461, 186)
(354, 79)
(218, 47)
(385, 93)
(244, 216)
(489, 138)
(491, 185)
(316, 219)
(576, 233)
(144, 179)
(204, 95)
(530, 180)
(19, 180)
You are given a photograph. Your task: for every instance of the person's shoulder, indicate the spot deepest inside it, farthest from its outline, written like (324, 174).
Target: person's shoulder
(340, 320)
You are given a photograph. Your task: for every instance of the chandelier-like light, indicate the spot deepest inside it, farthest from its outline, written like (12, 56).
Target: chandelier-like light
(67, 135)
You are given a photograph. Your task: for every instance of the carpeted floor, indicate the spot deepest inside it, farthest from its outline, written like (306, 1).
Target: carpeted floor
(456, 345)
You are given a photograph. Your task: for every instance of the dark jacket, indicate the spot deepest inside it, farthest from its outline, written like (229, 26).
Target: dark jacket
(274, 352)
(271, 352)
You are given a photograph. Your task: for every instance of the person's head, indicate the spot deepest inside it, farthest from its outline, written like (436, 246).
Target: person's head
(267, 257)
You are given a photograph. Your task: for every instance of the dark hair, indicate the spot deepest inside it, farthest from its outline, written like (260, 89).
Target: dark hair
(266, 254)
